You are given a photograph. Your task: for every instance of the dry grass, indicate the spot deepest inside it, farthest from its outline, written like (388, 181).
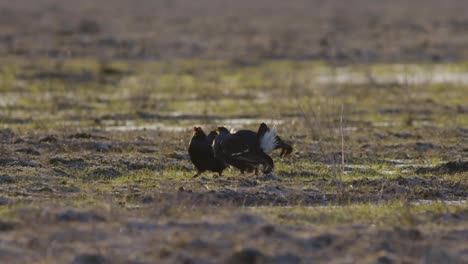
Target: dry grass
(96, 110)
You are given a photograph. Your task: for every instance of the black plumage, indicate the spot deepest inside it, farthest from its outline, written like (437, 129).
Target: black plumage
(239, 151)
(201, 152)
(247, 150)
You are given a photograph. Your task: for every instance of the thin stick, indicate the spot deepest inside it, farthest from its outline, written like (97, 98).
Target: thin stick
(342, 140)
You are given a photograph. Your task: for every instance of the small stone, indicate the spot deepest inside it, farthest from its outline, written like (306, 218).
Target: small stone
(267, 229)
(48, 138)
(29, 151)
(424, 146)
(104, 173)
(100, 146)
(249, 219)
(270, 177)
(409, 234)
(203, 178)
(164, 253)
(385, 260)
(72, 215)
(88, 26)
(287, 258)
(89, 259)
(6, 226)
(141, 226)
(247, 256)
(322, 241)
(77, 163)
(45, 190)
(147, 199)
(61, 172)
(4, 200)
(71, 189)
(7, 179)
(248, 183)
(179, 156)
(81, 135)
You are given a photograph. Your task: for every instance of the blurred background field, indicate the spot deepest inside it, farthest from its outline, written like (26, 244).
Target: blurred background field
(358, 30)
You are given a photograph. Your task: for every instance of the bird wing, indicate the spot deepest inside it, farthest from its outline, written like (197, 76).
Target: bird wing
(235, 145)
(238, 149)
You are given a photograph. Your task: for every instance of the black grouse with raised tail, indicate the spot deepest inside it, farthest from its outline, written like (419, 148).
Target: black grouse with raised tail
(247, 150)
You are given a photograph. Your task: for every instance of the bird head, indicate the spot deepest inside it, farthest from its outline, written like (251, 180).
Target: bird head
(263, 128)
(198, 133)
(222, 129)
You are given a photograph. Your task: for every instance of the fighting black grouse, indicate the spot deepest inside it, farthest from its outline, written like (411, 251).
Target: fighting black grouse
(201, 152)
(247, 150)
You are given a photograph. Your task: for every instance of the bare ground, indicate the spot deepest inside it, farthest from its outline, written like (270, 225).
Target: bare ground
(97, 101)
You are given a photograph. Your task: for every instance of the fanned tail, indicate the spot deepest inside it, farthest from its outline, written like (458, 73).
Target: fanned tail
(268, 138)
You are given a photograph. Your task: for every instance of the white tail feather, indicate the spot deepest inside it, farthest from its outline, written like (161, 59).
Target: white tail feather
(269, 141)
(232, 130)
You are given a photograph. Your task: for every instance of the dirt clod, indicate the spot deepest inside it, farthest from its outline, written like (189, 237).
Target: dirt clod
(29, 151)
(79, 216)
(247, 256)
(446, 168)
(6, 226)
(6, 179)
(286, 258)
(76, 163)
(103, 173)
(89, 259)
(267, 229)
(48, 139)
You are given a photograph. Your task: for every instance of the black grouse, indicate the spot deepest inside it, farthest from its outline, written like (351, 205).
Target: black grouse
(286, 149)
(201, 152)
(247, 150)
